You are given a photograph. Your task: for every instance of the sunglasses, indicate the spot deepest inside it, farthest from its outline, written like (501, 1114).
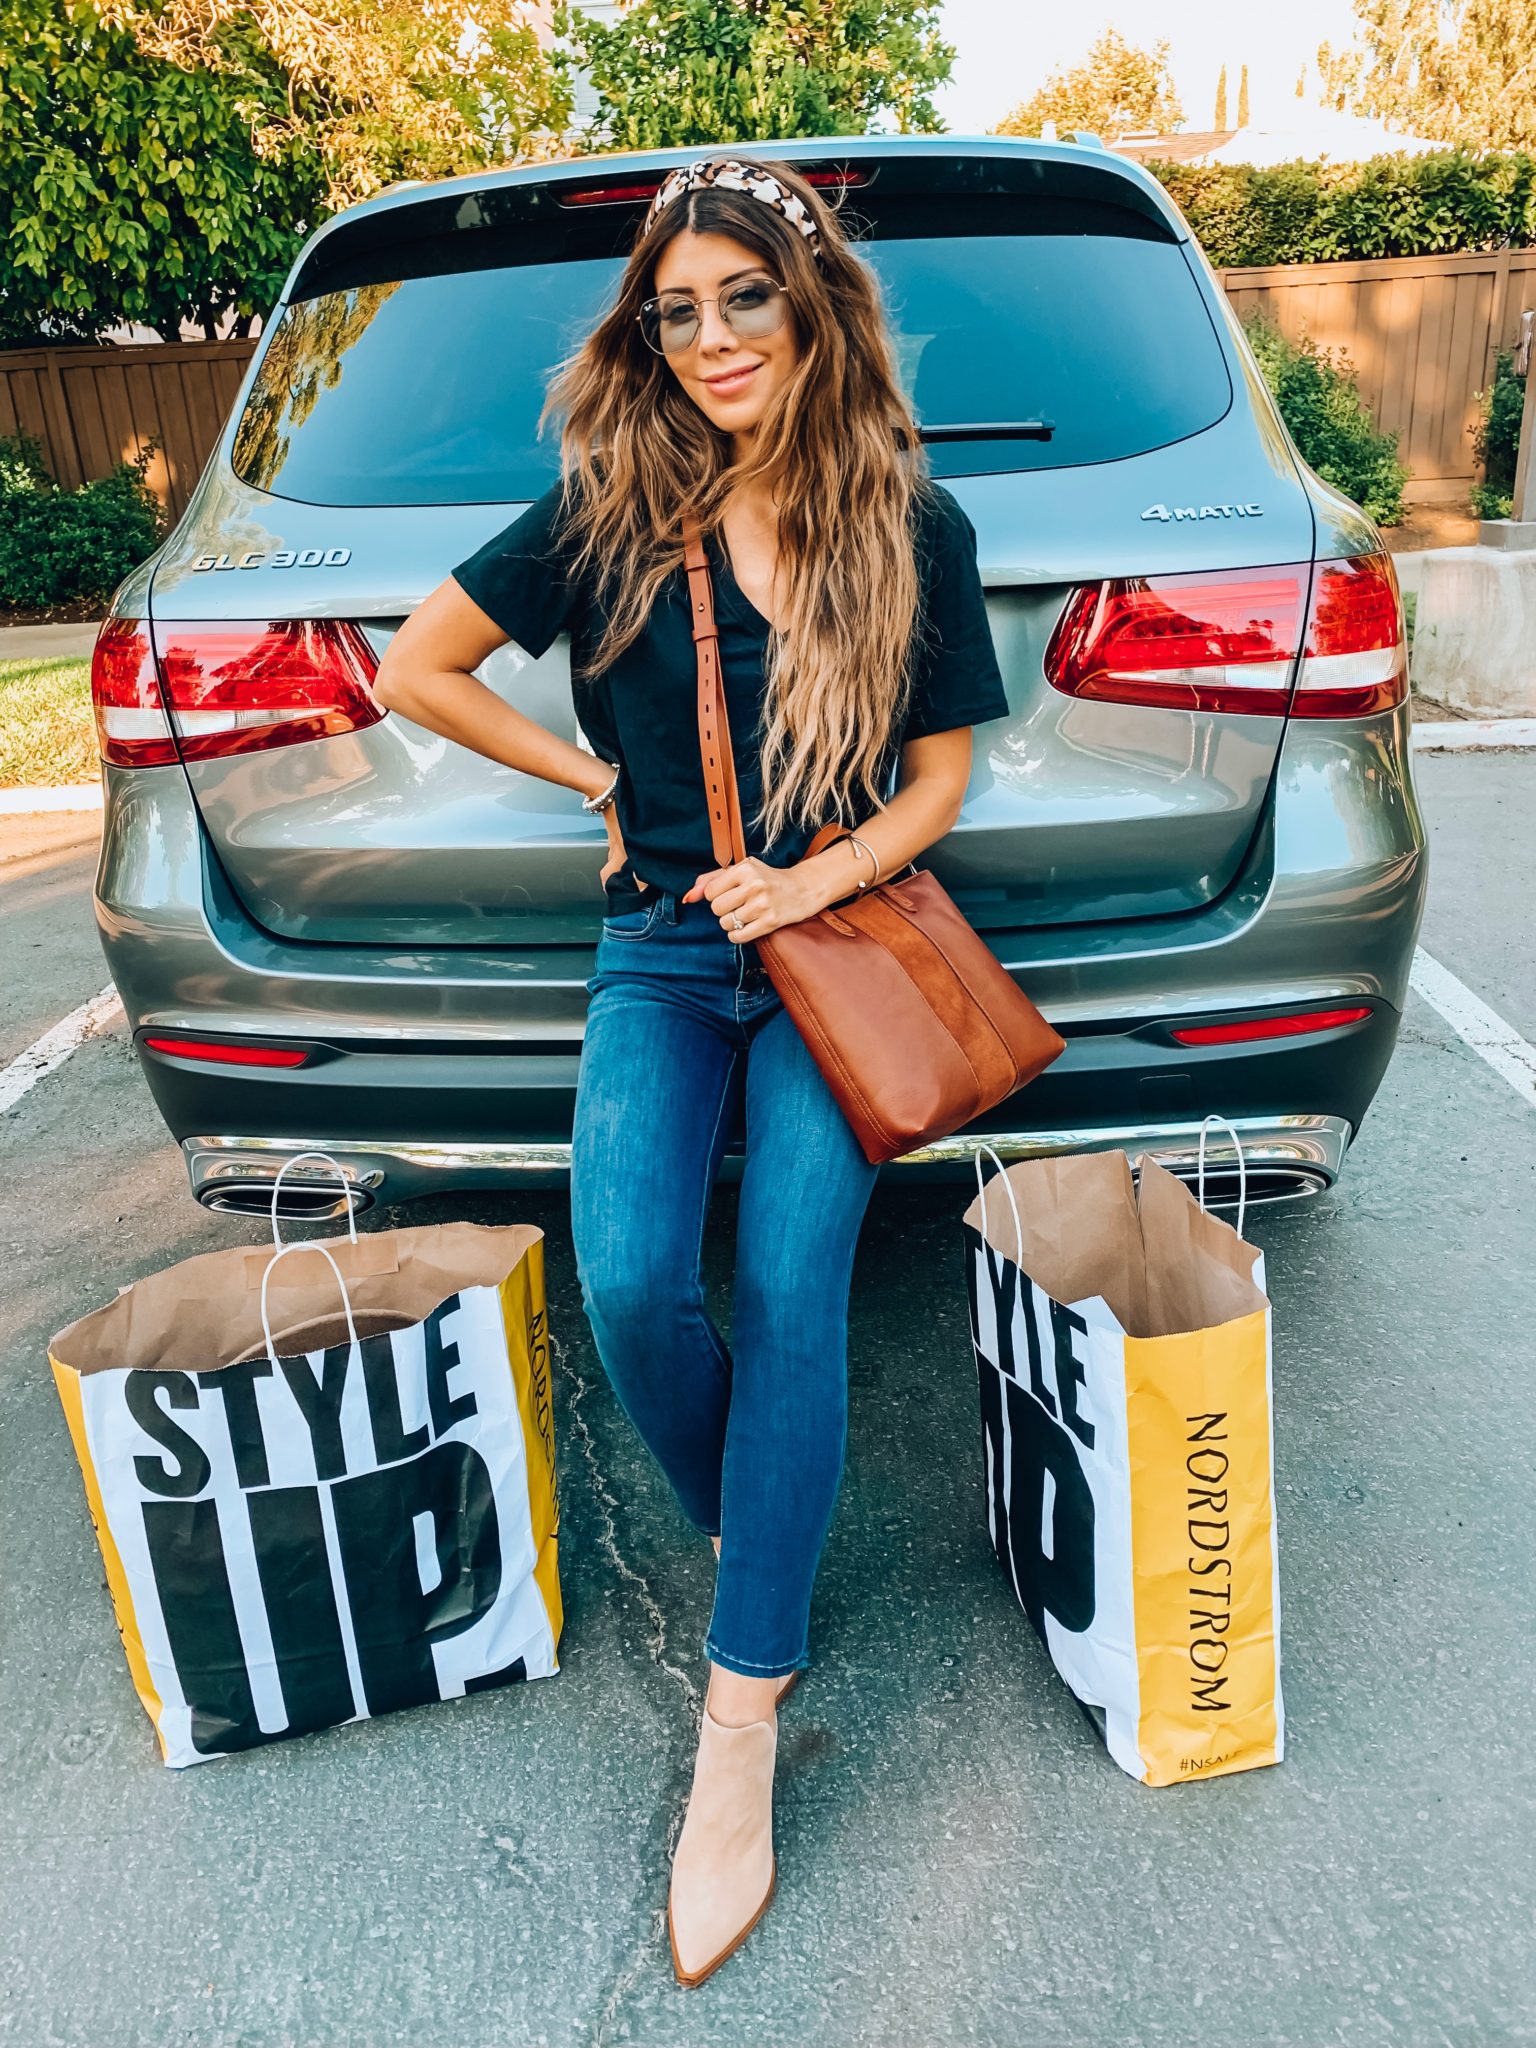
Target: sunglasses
(752, 308)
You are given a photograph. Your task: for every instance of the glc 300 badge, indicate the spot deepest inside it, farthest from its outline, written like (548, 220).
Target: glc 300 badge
(281, 558)
(1204, 512)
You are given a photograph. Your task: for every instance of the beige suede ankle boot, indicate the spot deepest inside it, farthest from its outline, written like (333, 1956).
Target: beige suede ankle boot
(723, 1870)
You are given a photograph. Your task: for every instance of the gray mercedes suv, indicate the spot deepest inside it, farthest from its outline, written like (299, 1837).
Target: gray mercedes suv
(1193, 837)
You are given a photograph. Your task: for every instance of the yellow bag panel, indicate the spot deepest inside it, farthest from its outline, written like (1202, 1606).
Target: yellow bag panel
(525, 1319)
(67, 1380)
(1203, 1548)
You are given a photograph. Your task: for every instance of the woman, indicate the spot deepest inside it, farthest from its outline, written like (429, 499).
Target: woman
(744, 372)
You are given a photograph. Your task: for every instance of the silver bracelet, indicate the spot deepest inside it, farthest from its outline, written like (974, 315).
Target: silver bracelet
(854, 840)
(604, 797)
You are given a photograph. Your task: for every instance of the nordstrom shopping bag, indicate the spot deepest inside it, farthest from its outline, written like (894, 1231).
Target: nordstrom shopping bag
(322, 1478)
(1123, 1356)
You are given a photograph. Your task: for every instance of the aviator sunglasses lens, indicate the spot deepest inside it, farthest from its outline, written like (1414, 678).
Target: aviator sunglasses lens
(751, 309)
(755, 308)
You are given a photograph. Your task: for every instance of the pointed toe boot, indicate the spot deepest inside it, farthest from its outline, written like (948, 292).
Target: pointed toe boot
(723, 1870)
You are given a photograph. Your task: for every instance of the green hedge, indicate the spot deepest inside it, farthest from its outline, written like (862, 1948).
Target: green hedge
(1305, 212)
(57, 545)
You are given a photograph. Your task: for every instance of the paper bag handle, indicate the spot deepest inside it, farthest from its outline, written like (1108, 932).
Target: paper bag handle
(346, 1190)
(1018, 1227)
(281, 1253)
(1242, 1166)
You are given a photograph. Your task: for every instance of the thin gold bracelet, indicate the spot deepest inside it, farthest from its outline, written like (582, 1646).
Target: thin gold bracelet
(864, 847)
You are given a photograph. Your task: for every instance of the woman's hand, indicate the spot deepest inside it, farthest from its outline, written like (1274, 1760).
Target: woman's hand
(616, 854)
(764, 897)
(935, 770)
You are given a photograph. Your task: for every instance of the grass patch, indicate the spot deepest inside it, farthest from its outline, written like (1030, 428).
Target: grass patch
(47, 731)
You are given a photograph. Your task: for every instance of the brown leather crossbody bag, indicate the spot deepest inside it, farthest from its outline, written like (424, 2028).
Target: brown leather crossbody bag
(910, 1016)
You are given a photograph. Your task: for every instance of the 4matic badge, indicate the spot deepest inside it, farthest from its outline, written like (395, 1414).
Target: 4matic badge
(1204, 512)
(279, 558)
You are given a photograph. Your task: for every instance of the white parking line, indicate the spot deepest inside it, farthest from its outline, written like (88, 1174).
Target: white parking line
(102, 1013)
(1478, 1026)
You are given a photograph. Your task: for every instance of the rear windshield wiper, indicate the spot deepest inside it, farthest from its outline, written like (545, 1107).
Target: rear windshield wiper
(990, 430)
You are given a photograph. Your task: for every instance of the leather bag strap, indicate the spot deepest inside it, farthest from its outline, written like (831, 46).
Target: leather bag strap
(720, 791)
(725, 828)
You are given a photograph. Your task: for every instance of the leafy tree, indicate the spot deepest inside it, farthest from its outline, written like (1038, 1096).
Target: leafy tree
(1219, 119)
(382, 90)
(129, 188)
(1458, 71)
(1242, 98)
(677, 72)
(1116, 90)
(162, 160)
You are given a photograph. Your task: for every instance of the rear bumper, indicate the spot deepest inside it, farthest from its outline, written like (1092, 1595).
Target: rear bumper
(1282, 1158)
(444, 1068)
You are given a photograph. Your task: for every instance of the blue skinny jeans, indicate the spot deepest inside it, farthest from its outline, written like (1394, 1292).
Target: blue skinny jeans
(685, 1038)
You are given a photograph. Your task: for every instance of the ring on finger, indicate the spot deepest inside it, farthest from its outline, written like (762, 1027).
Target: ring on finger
(738, 920)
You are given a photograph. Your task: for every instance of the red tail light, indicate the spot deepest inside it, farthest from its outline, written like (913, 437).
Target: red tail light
(1251, 1028)
(131, 726)
(1357, 648)
(229, 1055)
(230, 689)
(1227, 640)
(240, 688)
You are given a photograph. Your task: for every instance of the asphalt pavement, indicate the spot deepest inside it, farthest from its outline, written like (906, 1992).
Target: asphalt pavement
(959, 1861)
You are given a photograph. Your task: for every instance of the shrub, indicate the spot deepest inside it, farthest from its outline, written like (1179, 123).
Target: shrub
(1496, 439)
(1320, 403)
(57, 546)
(1391, 205)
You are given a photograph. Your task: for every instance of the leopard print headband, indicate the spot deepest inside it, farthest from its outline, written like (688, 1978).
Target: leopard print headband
(737, 177)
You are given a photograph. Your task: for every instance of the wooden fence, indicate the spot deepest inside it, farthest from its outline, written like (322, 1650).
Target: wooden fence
(1421, 331)
(93, 407)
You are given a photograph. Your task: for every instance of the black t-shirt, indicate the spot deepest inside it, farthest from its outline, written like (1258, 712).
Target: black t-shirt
(641, 713)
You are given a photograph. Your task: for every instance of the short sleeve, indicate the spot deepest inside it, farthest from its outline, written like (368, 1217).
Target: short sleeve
(520, 577)
(958, 681)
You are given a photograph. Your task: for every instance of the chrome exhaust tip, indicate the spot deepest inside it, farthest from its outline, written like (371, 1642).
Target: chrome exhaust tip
(296, 1204)
(235, 1177)
(1265, 1184)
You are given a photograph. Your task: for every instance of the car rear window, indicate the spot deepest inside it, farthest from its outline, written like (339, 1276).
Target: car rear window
(425, 388)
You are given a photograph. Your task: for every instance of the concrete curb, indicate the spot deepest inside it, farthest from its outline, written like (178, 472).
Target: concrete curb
(69, 796)
(1466, 735)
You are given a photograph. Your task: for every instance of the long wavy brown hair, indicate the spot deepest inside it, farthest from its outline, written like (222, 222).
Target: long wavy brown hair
(839, 447)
